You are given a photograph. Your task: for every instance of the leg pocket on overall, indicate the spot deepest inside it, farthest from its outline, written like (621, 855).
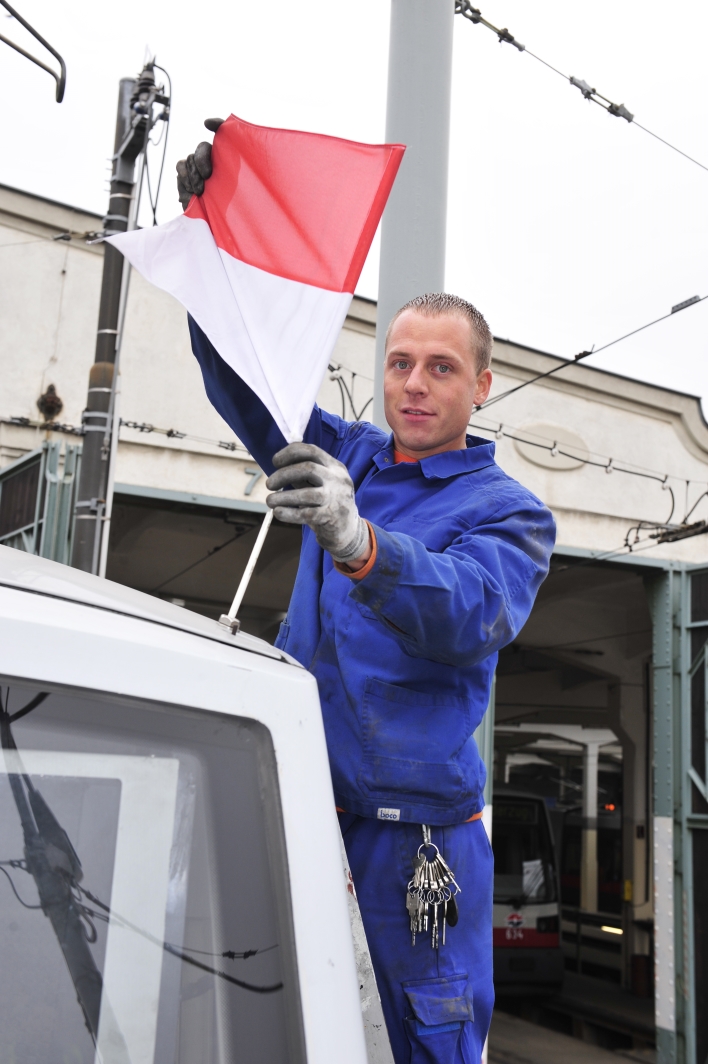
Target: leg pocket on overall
(410, 740)
(437, 1012)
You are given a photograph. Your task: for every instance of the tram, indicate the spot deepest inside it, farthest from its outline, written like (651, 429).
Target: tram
(527, 949)
(162, 780)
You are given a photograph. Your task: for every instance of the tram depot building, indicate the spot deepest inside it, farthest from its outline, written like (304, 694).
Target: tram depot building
(600, 704)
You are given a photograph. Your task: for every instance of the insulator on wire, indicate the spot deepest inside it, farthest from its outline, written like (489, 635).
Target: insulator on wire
(463, 7)
(677, 306)
(506, 38)
(620, 111)
(587, 92)
(616, 109)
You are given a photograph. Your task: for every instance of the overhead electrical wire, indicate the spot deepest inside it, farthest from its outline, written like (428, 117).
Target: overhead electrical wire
(605, 556)
(618, 110)
(661, 531)
(599, 461)
(594, 351)
(175, 434)
(139, 426)
(165, 117)
(499, 430)
(346, 393)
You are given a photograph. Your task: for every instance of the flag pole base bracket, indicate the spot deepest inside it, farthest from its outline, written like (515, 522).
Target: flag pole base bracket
(232, 623)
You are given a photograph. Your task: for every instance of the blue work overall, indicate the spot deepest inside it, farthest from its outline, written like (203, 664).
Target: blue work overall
(404, 660)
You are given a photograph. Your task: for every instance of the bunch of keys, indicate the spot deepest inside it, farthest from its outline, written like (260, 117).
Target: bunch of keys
(429, 891)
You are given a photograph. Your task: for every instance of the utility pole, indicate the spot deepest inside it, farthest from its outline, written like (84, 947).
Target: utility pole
(136, 98)
(417, 115)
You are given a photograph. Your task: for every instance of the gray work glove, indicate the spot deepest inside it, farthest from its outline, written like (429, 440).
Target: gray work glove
(193, 171)
(321, 495)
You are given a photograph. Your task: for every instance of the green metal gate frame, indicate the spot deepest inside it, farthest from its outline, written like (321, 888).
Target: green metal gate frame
(50, 532)
(668, 588)
(677, 1010)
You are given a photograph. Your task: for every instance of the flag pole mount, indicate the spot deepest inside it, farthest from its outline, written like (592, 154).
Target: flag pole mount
(230, 620)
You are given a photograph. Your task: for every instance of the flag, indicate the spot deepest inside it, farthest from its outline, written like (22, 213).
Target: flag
(267, 259)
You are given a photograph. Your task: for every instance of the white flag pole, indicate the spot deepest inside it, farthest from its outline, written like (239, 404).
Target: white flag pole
(229, 620)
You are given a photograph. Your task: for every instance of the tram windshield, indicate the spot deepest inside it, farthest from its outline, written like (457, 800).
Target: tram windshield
(144, 902)
(524, 867)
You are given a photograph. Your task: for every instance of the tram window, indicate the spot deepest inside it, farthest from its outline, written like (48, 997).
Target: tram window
(152, 836)
(523, 852)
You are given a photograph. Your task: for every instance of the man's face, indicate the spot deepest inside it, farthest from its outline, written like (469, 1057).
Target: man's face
(431, 382)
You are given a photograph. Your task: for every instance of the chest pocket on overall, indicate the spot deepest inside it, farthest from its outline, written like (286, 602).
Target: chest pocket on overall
(410, 741)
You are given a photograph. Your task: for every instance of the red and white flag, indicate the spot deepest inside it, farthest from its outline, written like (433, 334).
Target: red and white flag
(266, 261)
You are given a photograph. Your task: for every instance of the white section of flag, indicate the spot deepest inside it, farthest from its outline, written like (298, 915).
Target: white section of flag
(277, 334)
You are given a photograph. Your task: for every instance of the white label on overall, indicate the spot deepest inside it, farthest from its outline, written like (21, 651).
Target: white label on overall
(388, 814)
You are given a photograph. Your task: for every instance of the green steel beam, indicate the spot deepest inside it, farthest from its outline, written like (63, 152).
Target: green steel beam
(662, 591)
(163, 495)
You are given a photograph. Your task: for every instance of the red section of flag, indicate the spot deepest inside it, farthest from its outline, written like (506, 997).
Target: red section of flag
(300, 205)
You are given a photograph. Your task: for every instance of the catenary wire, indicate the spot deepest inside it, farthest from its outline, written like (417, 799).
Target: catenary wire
(688, 514)
(146, 427)
(586, 354)
(161, 139)
(604, 556)
(166, 124)
(608, 464)
(139, 426)
(474, 15)
(24, 243)
(660, 530)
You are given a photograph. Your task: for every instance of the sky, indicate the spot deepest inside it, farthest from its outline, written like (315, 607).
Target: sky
(567, 227)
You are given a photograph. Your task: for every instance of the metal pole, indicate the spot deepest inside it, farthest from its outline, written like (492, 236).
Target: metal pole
(588, 866)
(665, 601)
(114, 403)
(418, 115)
(104, 532)
(484, 737)
(94, 459)
(135, 103)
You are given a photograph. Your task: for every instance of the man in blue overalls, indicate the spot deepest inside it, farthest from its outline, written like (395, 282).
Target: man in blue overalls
(420, 560)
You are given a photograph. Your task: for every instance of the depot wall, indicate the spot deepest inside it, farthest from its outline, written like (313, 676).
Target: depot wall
(49, 290)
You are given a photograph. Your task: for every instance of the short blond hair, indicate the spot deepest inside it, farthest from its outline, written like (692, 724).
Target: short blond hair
(438, 304)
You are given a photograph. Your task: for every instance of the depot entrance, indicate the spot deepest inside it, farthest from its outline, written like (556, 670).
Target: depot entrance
(601, 709)
(573, 726)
